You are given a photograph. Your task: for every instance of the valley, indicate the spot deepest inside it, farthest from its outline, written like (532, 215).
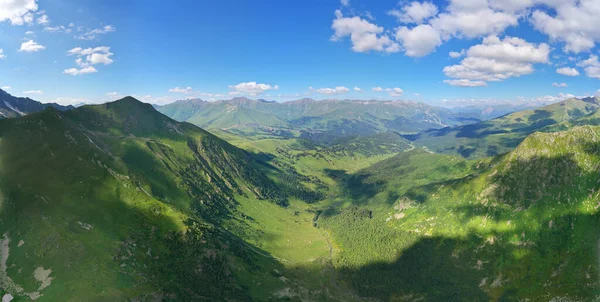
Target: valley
(156, 207)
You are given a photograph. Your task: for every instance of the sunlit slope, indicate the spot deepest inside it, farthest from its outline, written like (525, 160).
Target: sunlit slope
(116, 202)
(503, 134)
(439, 228)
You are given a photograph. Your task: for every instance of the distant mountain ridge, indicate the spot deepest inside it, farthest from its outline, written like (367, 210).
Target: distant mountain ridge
(345, 117)
(11, 106)
(502, 134)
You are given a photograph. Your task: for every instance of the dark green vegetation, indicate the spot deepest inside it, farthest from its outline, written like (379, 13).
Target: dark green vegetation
(11, 106)
(503, 134)
(332, 118)
(119, 202)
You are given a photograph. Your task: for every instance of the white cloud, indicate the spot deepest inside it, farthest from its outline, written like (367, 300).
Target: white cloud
(568, 71)
(43, 20)
(88, 57)
(357, 89)
(252, 88)
(456, 54)
(395, 92)
(185, 90)
(465, 83)
(60, 28)
(92, 34)
(510, 49)
(83, 70)
(365, 36)
(574, 22)
(18, 12)
(29, 32)
(2, 56)
(498, 60)
(560, 85)
(31, 46)
(418, 41)
(329, 91)
(377, 89)
(33, 92)
(113, 94)
(472, 19)
(5, 87)
(592, 67)
(345, 2)
(415, 12)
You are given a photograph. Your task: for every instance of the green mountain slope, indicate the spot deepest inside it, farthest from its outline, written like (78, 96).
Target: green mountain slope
(118, 202)
(431, 227)
(503, 134)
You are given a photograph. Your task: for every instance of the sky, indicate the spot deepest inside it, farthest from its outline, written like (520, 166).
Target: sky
(449, 52)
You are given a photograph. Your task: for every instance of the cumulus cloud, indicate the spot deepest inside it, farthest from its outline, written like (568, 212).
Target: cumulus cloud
(457, 54)
(33, 92)
(31, 46)
(418, 41)
(5, 87)
(575, 23)
(377, 89)
(591, 66)
(560, 85)
(93, 33)
(329, 91)
(365, 36)
(87, 57)
(568, 71)
(415, 12)
(345, 2)
(185, 90)
(395, 92)
(2, 56)
(465, 83)
(81, 71)
(357, 89)
(252, 88)
(498, 60)
(18, 12)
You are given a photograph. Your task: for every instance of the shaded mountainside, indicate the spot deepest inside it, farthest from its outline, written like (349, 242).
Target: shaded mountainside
(11, 106)
(343, 117)
(117, 201)
(503, 134)
(523, 226)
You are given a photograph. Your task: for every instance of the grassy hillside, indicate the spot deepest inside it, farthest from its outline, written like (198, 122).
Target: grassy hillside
(118, 202)
(439, 228)
(503, 134)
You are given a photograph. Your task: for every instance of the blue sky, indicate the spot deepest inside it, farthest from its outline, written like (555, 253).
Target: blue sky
(161, 51)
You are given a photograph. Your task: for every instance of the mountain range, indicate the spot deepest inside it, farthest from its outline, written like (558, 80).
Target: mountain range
(11, 106)
(342, 117)
(119, 202)
(502, 134)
